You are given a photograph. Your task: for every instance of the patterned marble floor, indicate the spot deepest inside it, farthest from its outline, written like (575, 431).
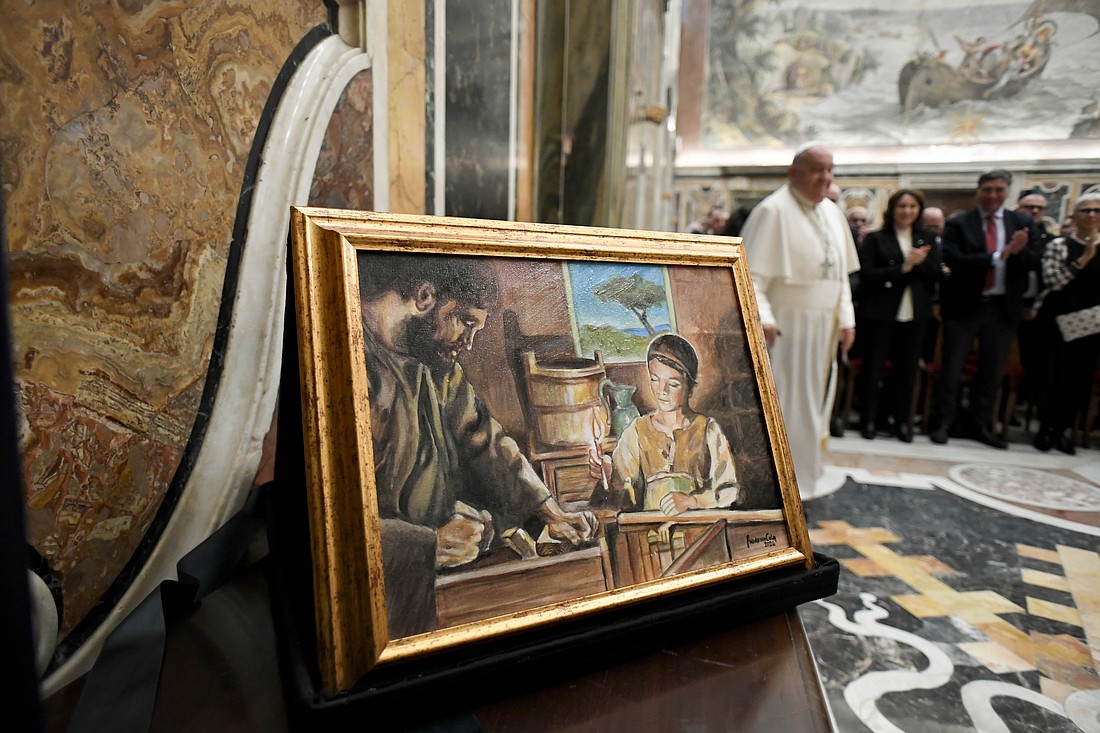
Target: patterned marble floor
(969, 597)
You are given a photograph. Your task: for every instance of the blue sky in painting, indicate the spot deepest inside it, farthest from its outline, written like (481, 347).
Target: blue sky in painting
(590, 310)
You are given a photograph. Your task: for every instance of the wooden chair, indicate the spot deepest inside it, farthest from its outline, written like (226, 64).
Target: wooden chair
(843, 406)
(929, 372)
(1009, 390)
(855, 366)
(651, 549)
(1009, 393)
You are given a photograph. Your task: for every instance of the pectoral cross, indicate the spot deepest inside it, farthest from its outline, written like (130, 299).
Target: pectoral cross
(829, 263)
(830, 260)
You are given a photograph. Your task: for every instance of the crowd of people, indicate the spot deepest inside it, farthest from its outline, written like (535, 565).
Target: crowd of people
(830, 289)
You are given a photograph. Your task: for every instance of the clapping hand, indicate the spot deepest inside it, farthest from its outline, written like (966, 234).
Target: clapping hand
(1090, 251)
(915, 257)
(1018, 242)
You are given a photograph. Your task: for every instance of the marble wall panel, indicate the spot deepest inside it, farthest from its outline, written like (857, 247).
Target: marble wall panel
(127, 129)
(405, 98)
(344, 176)
(572, 105)
(478, 108)
(433, 57)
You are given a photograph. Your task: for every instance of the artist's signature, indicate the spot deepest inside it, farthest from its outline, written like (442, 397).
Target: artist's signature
(767, 540)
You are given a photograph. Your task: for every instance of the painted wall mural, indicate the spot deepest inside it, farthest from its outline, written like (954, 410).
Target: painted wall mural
(932, 72)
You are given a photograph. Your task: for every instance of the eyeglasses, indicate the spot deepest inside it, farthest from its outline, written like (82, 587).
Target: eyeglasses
(1088, 211)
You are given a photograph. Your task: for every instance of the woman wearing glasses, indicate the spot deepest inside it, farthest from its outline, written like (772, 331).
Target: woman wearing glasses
(1070, 308)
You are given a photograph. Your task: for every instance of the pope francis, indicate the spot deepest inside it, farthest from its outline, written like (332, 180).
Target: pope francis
(800, 253)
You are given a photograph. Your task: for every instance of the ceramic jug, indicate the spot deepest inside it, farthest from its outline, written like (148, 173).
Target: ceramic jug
(620, 407)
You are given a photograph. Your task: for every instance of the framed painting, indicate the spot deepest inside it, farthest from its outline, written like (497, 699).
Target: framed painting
(476, 472)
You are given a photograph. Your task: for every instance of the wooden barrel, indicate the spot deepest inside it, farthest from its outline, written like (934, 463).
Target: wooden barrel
(563, 395)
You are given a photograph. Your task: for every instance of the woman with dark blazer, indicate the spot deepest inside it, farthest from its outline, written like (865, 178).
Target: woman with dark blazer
(1071, 275)
(899, 267)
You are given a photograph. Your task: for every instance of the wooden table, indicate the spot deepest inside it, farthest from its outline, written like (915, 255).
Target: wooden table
(221, 674)
(758, 677)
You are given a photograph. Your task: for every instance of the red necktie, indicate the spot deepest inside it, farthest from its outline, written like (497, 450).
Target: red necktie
(990, 247)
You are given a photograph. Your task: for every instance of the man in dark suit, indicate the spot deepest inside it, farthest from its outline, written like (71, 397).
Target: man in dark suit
(1031, 335)
(933, 220)
(990, 251)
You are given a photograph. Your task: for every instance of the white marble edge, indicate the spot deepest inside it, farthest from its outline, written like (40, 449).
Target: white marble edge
(229, 456)
(376, 32)
(835, 476)
(993, 503)
(966, 451)
(439, 109)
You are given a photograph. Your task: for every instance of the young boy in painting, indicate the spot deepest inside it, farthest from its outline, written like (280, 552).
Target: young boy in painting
(674, 459)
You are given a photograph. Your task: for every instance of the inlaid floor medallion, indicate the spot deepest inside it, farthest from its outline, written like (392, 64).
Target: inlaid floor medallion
(1027, 486)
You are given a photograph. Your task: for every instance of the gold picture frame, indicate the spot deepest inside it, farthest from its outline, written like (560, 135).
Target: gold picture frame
(632, 549)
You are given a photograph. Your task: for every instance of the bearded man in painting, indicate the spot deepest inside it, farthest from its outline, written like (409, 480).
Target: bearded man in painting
(448, 477)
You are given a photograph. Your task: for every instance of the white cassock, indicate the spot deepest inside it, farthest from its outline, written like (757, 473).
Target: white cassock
(800, 256)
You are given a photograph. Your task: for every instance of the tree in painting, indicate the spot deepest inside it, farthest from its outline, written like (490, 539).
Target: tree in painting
(618, 309)
(634, 293)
